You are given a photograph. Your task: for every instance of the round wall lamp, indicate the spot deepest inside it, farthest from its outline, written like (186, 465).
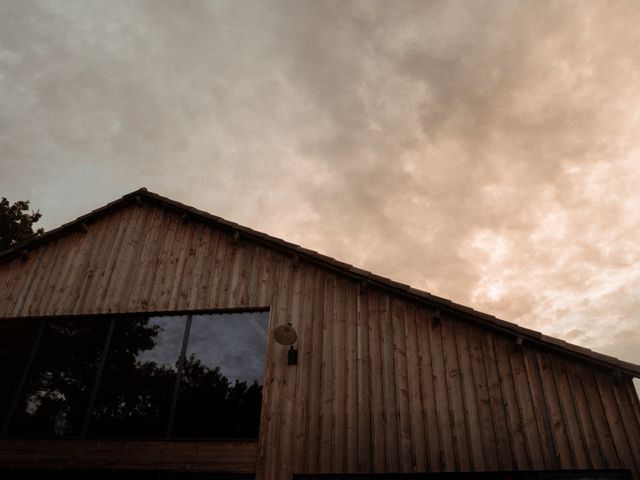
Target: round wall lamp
(286, 335)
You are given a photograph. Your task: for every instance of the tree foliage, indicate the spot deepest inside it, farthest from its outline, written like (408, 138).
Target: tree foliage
(16, 223)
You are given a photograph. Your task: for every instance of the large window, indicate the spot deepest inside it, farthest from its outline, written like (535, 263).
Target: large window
(178, 376)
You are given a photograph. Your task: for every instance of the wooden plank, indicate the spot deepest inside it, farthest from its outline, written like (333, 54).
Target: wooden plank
(376, 383)
(200, 271)
(184, 274)
(630, 427)
(598, 415)
(103, 232)
(253, 279)
(220, 457)
(339, 388)
(327, 393)
(77, 276)
(634, 402)
(204, 288)
(143, 279)
(13, 272)
(365, 420)
(606, 389)
(234, 273)
(287, 404)
(157, 282)
(269, 266)
(247, 290)
(315, 379)
(471, 407)
(526, 408)
(129, 262)
(631, 407)
(430, 414)
(406, 453)
(267, 297)
(567, 407)
(123, 288)
(481, 387)
(8, 276)
(540, 409)
(503, 433)
(564, 453)
(457, 418)
(633, 386)
(31, 285)
(238, 278)
(583, 415)
(178, 253)
(301, 439)
(265, 467)
(514, 419)
(224, 250)
(390, 406)
(442, 401)
(34, 280)
(58, 272)
(106, 271)
(275, 384)
(124, 261)
(351, 379)
(585, 411)
(419, 448)
(64, 281)
(231, 272)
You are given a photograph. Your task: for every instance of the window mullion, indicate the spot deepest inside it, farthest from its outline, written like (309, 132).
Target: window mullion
(176, 387)
(96, 384)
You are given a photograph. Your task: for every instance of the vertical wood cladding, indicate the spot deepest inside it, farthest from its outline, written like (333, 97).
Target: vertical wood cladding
(381, 384)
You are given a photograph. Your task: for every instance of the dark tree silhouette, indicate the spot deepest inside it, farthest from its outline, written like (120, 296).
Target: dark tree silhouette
(16, 223)
(210, 405)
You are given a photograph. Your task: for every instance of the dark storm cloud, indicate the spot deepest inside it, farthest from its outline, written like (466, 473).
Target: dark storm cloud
(484, 151)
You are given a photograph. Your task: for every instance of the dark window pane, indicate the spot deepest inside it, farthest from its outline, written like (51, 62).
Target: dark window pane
(134, 396)
(59, 384)
(16, 342)
(221, 387)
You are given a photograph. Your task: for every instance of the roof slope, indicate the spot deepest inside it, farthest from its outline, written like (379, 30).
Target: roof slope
(443, 304)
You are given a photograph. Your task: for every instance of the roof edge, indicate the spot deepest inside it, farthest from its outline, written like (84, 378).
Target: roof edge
(436, 302)
(71, 225)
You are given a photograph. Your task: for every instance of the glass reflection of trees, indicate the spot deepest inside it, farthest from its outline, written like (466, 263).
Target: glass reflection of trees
(137, 376)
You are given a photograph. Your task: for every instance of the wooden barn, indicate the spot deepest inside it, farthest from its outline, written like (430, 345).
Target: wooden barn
(148, 339)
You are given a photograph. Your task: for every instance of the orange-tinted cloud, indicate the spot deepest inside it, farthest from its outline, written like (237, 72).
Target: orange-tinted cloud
(484, 151)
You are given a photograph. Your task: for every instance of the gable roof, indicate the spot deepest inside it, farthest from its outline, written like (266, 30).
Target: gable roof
(438, 303)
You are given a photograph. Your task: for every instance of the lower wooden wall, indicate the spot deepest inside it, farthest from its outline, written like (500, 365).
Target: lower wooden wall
(221, 457)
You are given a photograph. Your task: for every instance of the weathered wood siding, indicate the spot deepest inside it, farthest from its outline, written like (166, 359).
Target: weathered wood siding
(381, 385)
(192, 456)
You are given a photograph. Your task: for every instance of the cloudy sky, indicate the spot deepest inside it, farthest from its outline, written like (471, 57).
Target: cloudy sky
(485, 151)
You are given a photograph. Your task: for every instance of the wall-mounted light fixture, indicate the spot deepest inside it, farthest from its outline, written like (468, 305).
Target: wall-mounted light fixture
(286, 335)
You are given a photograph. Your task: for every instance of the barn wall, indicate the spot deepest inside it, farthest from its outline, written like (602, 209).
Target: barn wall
(381, 385)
